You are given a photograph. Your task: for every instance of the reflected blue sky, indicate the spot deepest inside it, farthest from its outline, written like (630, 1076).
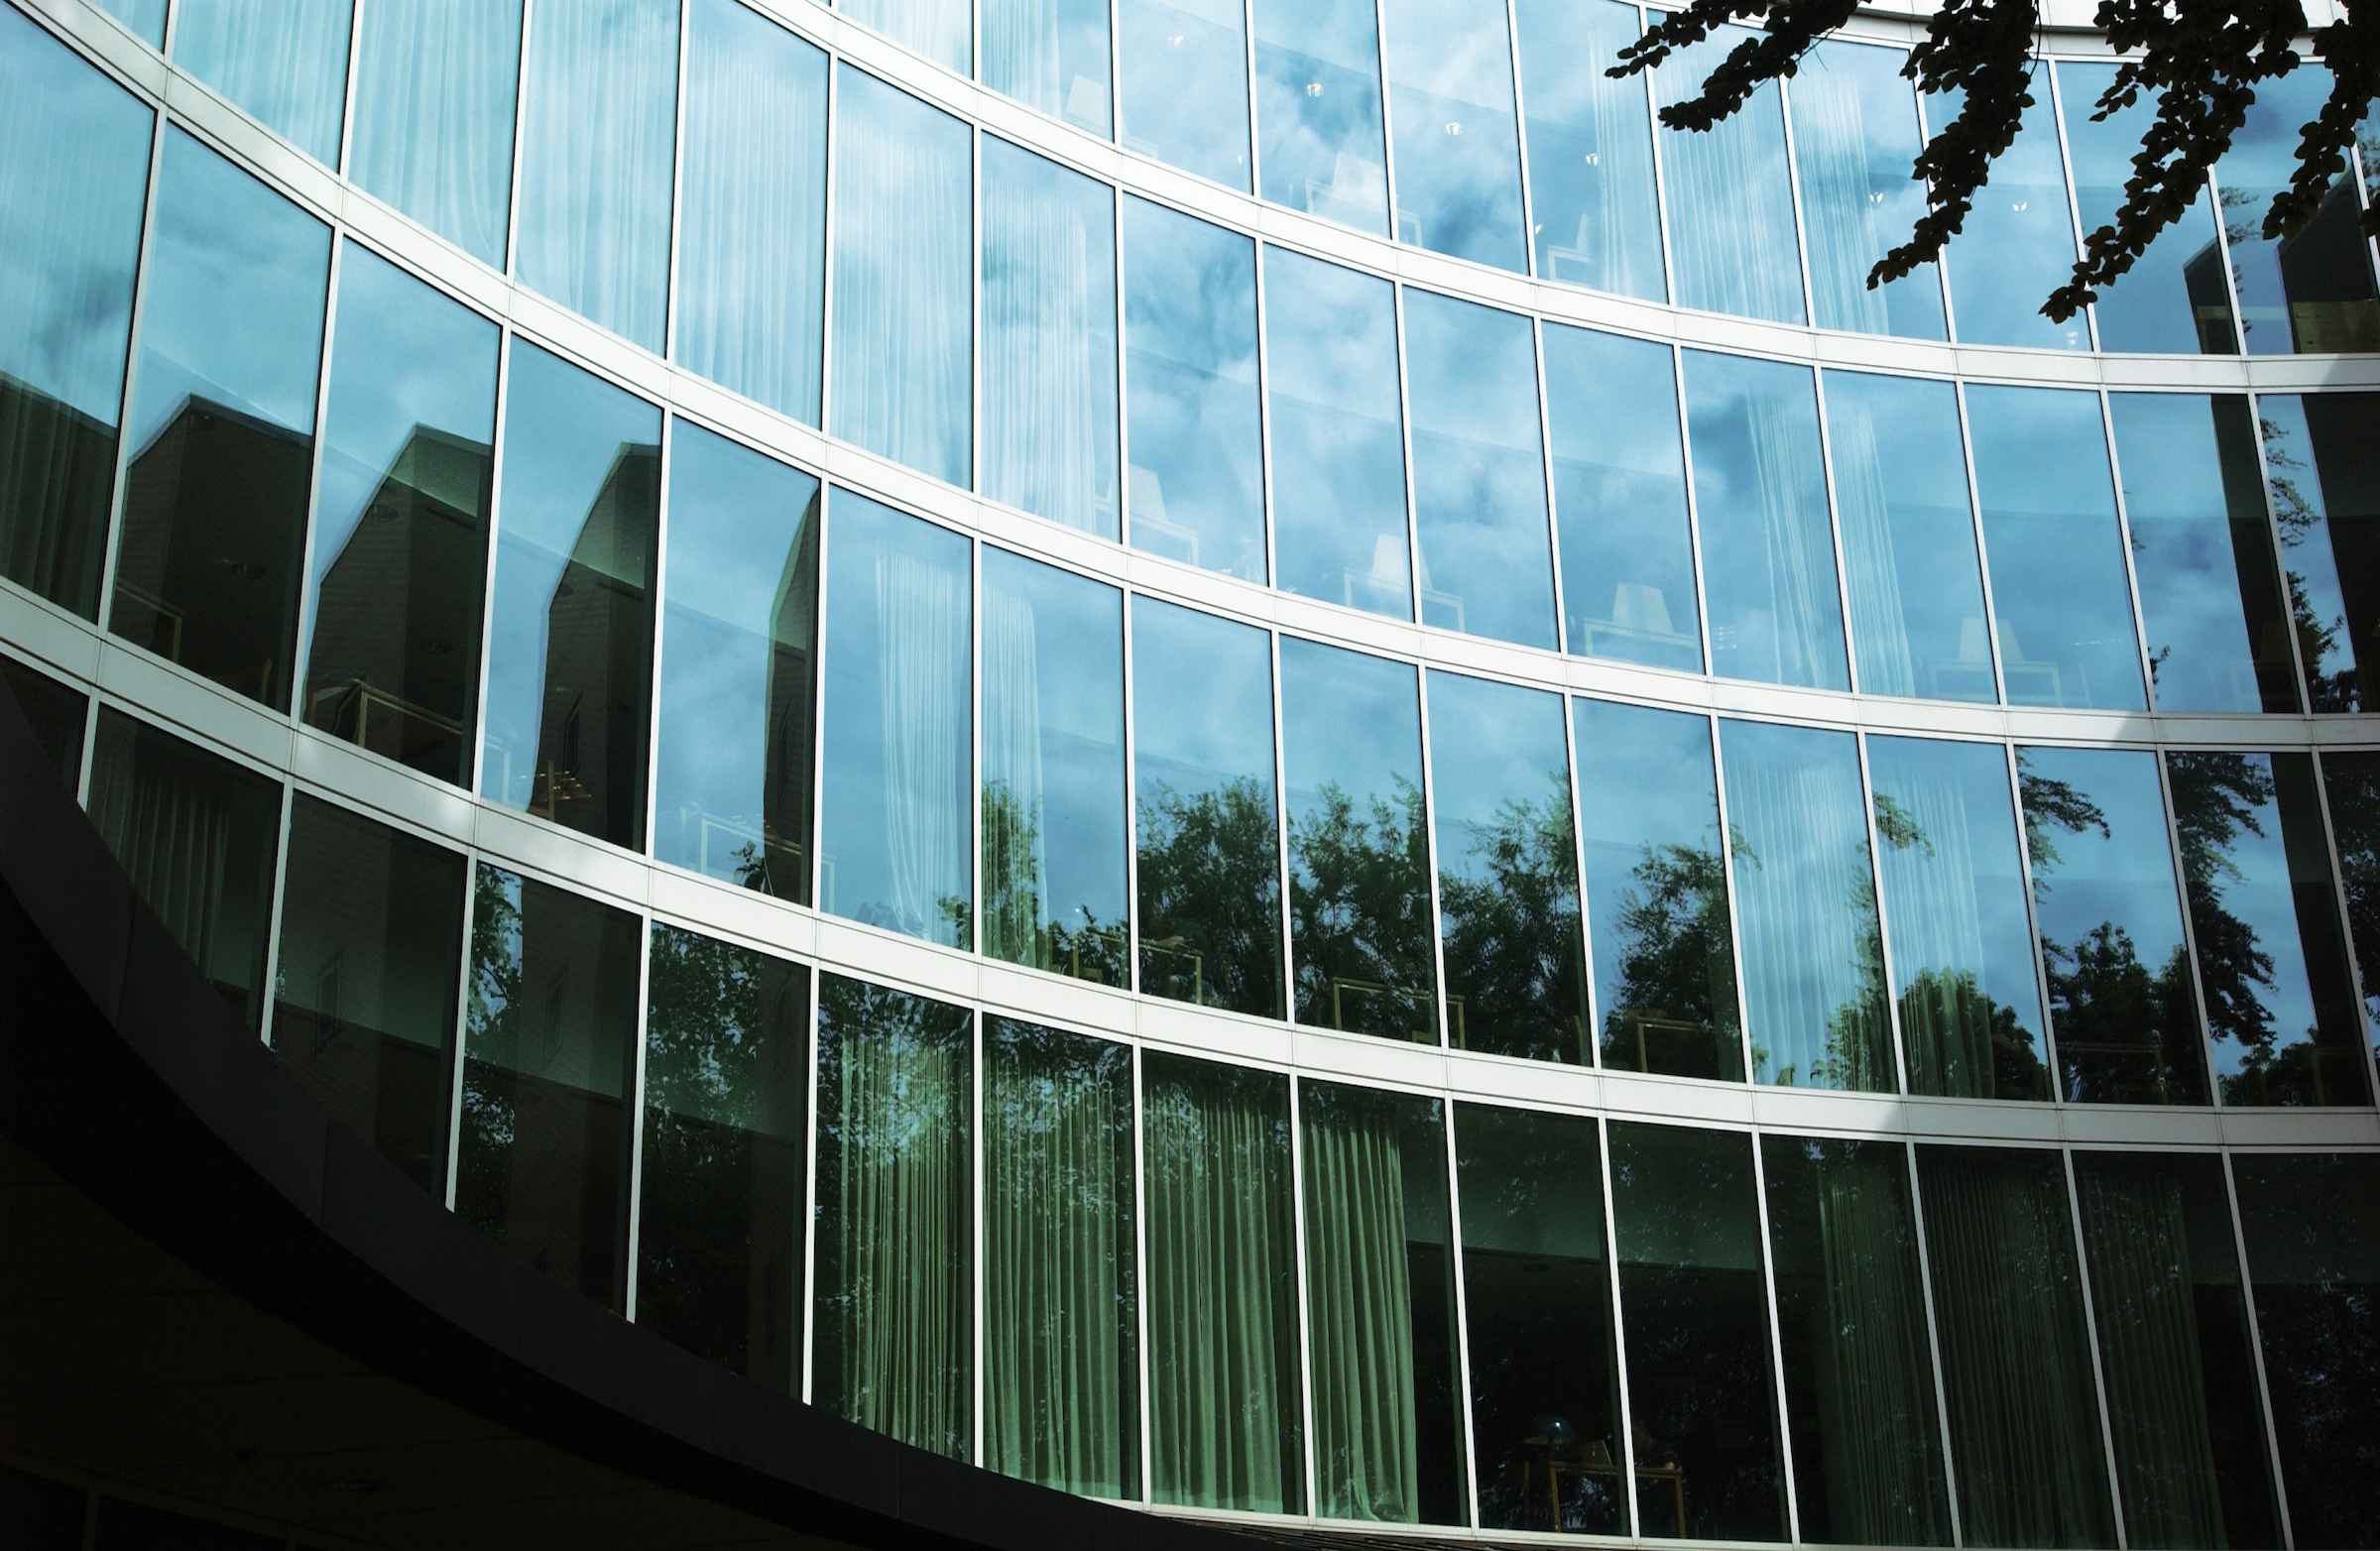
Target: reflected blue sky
(2017, 244)
(1458, 145)
(1590, 148)
(1854, 137)
(937, 28)
(286, 65)
(1730, 195)
(432, 134)
(1202, 692)
(2313, 444)
(1318, 111)
(1350, 720)
(2173, 298)
(1184, 91)
(146, 17)
(1050, 55)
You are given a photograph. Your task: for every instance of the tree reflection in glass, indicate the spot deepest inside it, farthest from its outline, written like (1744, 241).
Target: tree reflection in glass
(2351, 783)
(2322, 469)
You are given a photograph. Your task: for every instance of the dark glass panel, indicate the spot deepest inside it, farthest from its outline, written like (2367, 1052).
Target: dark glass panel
(550, 1059)
(1225, 1418)
(1061, 1298)
(2312, 1229)
(209, 559)
(1184, 92)
(1450, 109)
(2308, 293)
(1701, 1390)
(896, 1332)
(1380, 1286)
(54, 713)
(1858, 1356)
(133, 1527)
(1854, 135)
(1590, 148)
(401, 520)
(735, 763)
(197, 834)
(2180, 1366)
(73, 174)
(365, 984)
(1537, 1297)
(2016, 1356)
(1318, 111)
(45, 1516)
(727, 1101)
(1210, 860)
(2322, 455)
(2351, 783)
(1657, 891)
(570, 643)
(1358, 843)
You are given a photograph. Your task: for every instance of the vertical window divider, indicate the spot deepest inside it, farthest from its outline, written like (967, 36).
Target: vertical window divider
(1620, 1333)
(974, 311)
(1305, 1312)
(2123, 529)
(1405, 430)
(2041, 955)
(826, 266)
(1141, 1280)
(635, 1117)
(660, 581)
(974, 936)
(1941, 1399)
(1528, 267)
(90, 739)
(2073, 207)
(1669, 280)
(806, 1360)
(1801, 225)
(160, 126)
(1590, 1037)
(2338, 894)
(1379, 51)
(1843, 577)
(1442, 1017)
(2301, 687)
(1545, 462)
(1694, 521)
(1255, 168)
(1875, 875)
(1286, 1008)
(472, 864)
(1115, 136)
(302, 634)
(677, 192)
(979, 1446)
(2098, 1368)
(1133, 925)
(355, 53)
(1776, 1344)
(2222, 239)
(818, 699)
(1273, 571)
(2264, 1388)
(1975, 518)
(1727, 857)
(2190, 928)
(173, 26)
(1454, 1234)
(512, 212)
(476, 755)
(268, 1002)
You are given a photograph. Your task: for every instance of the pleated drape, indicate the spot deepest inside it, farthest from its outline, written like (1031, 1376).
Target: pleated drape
(1731, 198)
(172, 831)
(1938, 944)
(434, 89)
(1016, 852)
(1841, 225)
(1879, 623)
(1360, 1298)
(283, 61)
(937, 28)
(921, 631)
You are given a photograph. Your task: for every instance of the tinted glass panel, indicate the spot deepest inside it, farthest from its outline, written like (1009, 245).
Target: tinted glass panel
(286, 65)
(727, 1102)
(401, 520)
(47, 1515)
(2322, 455)
(1210, 860)
(1358, 843)
(570, 645)
(54, 714)
(2111, 946)
(1590, 150)
(1854, 135)
(896, 1185)
(146, 17)
(222, 443)
(364, 990)
(1731, 242)
(1050, 55)
(1657, 891)
(549, 1051)
(1184, 94)
(893, 832)
(2312, 292)
(1054, 825)
(937, 28)
(2018, 245)
(434, 85)
(1458, 145)
(1196, 486)
(2055, 548)
(2173, 298)
(1318, 111)
(739, 666)
(2351, 783)
(196, 834)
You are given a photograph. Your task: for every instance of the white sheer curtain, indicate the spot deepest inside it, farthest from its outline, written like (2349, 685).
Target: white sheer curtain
(434, 85)
(1020, 52)
(283, 61)
(1731, 200)
(1830, 149)
(921, 614)
(1799, 545)
(1016, 852)
(1881, 627)
(1049, 345)
(937, 28)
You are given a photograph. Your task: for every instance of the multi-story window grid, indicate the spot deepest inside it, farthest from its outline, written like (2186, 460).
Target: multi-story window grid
(1785, 1040)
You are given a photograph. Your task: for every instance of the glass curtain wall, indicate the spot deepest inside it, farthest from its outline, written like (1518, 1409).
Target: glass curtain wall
(285, 65)
(2310, 293)
(1590, 150)
(2321, 457)
(2174, 297)
(1856, 133)
(1318, 112)
(1182, 92)
(435, 82)
(145, 17)
(1050, 55)
(1731, 240)
(2016, 245)
(1452, 118)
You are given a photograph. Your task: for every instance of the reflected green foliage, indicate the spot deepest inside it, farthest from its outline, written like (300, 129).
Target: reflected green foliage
(1018, 923)
(1512, 940)
(2215, 797)
(2300, 519)
(1859, 1053)
(1674, 1008)
(491, 1023)
(1211, 897)
(1359, 914)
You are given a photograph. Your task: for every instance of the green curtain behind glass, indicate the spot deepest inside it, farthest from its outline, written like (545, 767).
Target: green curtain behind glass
(1224, 1410)
(1061, 1402)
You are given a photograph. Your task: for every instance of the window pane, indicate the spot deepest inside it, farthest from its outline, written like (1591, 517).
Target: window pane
(2112, 945)
(2182, 1393)
(1054, 828)
(1730, 195)
(1210, 860)
(597, 133)
(752, 230)
(1806, 904)
(54, 714)
(2017, 244)
(2312, 292)
(1657, 891)
(73, 174)
(1338, 443)
(435, 84)
(1185, 84)
(893, 831)
(1224, 1423)
(1857, 1357)
(1590, 148)
(1061, 1301)
(2055, 548)
(904, 298)
(2312, 1229)
(2257, 867)
(1619, 494)
(364, 998)
(1050, 55)
(145, 17)
(401, 520)
(895, 1183)
(1908, 538)
(570, 646)
(1049, 339)
(197, 835)
(739, 667)
(1954, 910)
(213, 541)
(1458, 147)
(1700, 1387)
(1358, 843)
(2016, 1356)
(1768, 547)
(1196, 486)
(1508, 871)
(727, 1102)
(1854, 135)
(2351, 783)
(1380, 1280)
(1537, 1298)
(2173, 298)
(1478, 471)
(937, 28)
(285, 64)
(550, 1060)
(1318, 111)
(2321, 454)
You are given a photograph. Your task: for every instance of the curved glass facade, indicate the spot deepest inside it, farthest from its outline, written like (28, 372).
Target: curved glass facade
(1245, 755)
